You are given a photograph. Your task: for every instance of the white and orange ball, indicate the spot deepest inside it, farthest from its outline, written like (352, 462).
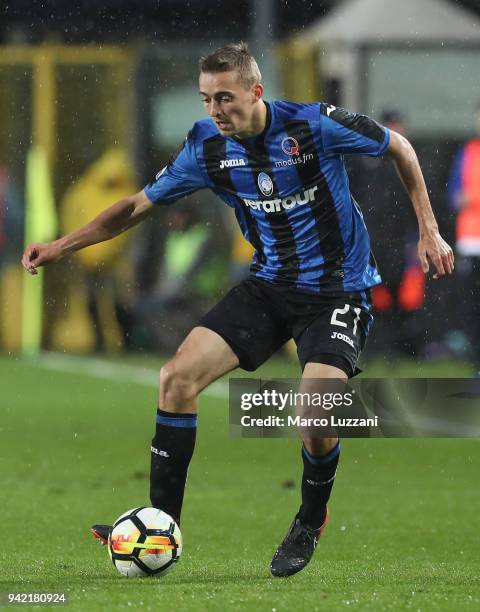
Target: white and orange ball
(144, 542)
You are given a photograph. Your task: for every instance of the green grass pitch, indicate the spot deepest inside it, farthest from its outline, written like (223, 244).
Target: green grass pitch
(403, 533)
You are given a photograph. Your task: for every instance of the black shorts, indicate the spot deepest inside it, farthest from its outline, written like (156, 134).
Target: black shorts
(257, 317)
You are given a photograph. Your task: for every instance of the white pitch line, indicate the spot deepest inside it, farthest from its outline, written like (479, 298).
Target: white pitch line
(110, 370)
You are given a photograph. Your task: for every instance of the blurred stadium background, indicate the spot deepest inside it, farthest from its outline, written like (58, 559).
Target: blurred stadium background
(94, 100)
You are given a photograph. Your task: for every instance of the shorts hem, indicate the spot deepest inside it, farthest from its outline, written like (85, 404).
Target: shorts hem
(337, 361)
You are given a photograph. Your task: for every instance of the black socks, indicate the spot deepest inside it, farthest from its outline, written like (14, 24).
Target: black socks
(317, 482)
(172, 449)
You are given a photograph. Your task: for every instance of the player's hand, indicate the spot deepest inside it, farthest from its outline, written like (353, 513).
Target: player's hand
(36, 255)
(434, 248)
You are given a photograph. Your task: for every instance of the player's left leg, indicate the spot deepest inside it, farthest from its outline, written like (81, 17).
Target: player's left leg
(320, 454)
(328, 346)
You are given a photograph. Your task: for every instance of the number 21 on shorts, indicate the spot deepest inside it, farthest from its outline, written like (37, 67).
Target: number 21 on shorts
(338, 312)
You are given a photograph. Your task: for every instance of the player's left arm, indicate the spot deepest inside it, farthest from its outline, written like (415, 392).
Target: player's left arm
(431, 246)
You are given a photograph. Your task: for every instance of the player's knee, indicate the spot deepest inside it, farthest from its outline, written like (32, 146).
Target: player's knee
(177, 385)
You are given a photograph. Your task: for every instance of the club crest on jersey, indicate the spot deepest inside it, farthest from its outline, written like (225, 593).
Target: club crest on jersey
(290, 146)
(265, 184)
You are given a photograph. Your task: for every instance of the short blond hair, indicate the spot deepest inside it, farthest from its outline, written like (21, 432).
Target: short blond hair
(234, 56)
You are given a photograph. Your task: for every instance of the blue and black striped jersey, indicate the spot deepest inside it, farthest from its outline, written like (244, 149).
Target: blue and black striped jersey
(290, 192)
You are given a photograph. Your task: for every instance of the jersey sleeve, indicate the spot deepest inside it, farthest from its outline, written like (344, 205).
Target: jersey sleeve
(179, 178)
(348, 133)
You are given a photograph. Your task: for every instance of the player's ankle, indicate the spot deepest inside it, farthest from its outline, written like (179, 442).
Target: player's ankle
(312, 520)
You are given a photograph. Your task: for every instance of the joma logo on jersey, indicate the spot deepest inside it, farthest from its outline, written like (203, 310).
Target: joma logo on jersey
(276, 205)
(232, 163)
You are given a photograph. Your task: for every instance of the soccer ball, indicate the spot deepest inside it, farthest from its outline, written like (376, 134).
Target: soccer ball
(144, 542)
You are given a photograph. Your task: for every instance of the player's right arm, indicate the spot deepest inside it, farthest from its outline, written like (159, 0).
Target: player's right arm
(116, 219)
(180, 177)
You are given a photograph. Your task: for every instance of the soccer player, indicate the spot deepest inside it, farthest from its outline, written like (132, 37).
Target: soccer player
(280, 166)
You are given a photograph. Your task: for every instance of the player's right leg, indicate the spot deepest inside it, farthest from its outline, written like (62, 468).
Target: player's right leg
(202, 358)
(243, 329)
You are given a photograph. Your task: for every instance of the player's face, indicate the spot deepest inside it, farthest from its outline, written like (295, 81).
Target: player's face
(228, 103)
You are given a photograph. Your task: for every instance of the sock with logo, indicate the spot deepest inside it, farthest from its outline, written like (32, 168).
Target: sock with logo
(172, 449)
(317, 482)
